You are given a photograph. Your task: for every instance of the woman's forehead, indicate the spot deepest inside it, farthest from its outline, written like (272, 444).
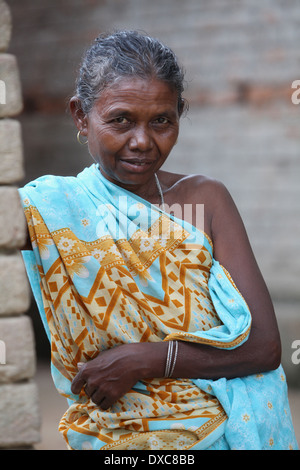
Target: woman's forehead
(138, 92)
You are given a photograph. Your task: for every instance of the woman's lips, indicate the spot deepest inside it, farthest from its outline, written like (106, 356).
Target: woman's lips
(136, 165)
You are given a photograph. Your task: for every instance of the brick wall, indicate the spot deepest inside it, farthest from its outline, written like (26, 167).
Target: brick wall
(242, 127)
(241, 59)
(19, 413)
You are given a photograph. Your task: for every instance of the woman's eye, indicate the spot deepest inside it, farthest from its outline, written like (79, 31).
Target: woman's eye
(121, 120)
(161, 120)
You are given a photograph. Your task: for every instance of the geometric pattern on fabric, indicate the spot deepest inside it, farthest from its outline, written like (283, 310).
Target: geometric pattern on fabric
(114, 310)
(153, 280)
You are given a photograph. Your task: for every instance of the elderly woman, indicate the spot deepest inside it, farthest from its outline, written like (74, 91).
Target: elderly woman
(153, 342)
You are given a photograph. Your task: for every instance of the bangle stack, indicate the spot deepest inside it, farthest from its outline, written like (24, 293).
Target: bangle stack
(171, 358)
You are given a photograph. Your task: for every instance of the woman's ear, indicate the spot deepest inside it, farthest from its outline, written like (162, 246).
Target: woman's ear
(79, 116)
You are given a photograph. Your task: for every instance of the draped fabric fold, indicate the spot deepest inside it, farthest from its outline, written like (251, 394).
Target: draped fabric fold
(108, 268)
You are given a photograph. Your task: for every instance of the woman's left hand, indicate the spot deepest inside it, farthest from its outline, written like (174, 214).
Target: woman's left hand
(113, 373)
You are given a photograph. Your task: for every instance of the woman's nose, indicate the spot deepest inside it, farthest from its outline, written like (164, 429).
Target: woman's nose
(140, 139)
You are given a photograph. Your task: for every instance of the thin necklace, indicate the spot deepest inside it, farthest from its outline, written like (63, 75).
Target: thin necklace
(160, 192)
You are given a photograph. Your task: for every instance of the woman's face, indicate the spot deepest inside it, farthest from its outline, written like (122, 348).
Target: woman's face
(131, 130)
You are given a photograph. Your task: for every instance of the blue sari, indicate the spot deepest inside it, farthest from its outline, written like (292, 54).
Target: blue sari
(108, 268)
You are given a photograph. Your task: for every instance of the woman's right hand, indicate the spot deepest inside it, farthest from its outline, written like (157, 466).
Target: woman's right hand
(115, 371)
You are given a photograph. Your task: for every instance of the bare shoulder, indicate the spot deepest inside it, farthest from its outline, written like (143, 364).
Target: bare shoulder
(195, 188)
(198, 189)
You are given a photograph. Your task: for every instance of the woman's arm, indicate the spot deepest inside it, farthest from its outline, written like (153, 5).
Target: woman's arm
(114, 372)
(262, 351)
(232, 249)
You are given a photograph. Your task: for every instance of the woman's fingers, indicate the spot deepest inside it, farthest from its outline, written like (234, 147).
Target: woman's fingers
(100, 400)
(109, 376)
(105, 404)
(78, 382)
(90, 389)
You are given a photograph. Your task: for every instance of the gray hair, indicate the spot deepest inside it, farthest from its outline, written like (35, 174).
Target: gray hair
(126, 54)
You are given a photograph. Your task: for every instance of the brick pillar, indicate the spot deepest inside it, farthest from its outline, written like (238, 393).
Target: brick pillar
(19, 411)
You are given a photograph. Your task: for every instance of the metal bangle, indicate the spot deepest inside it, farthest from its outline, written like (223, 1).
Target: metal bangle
(169, 358)
(174, 359)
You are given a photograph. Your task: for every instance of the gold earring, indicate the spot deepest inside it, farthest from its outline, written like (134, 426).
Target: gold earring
(80, 141)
